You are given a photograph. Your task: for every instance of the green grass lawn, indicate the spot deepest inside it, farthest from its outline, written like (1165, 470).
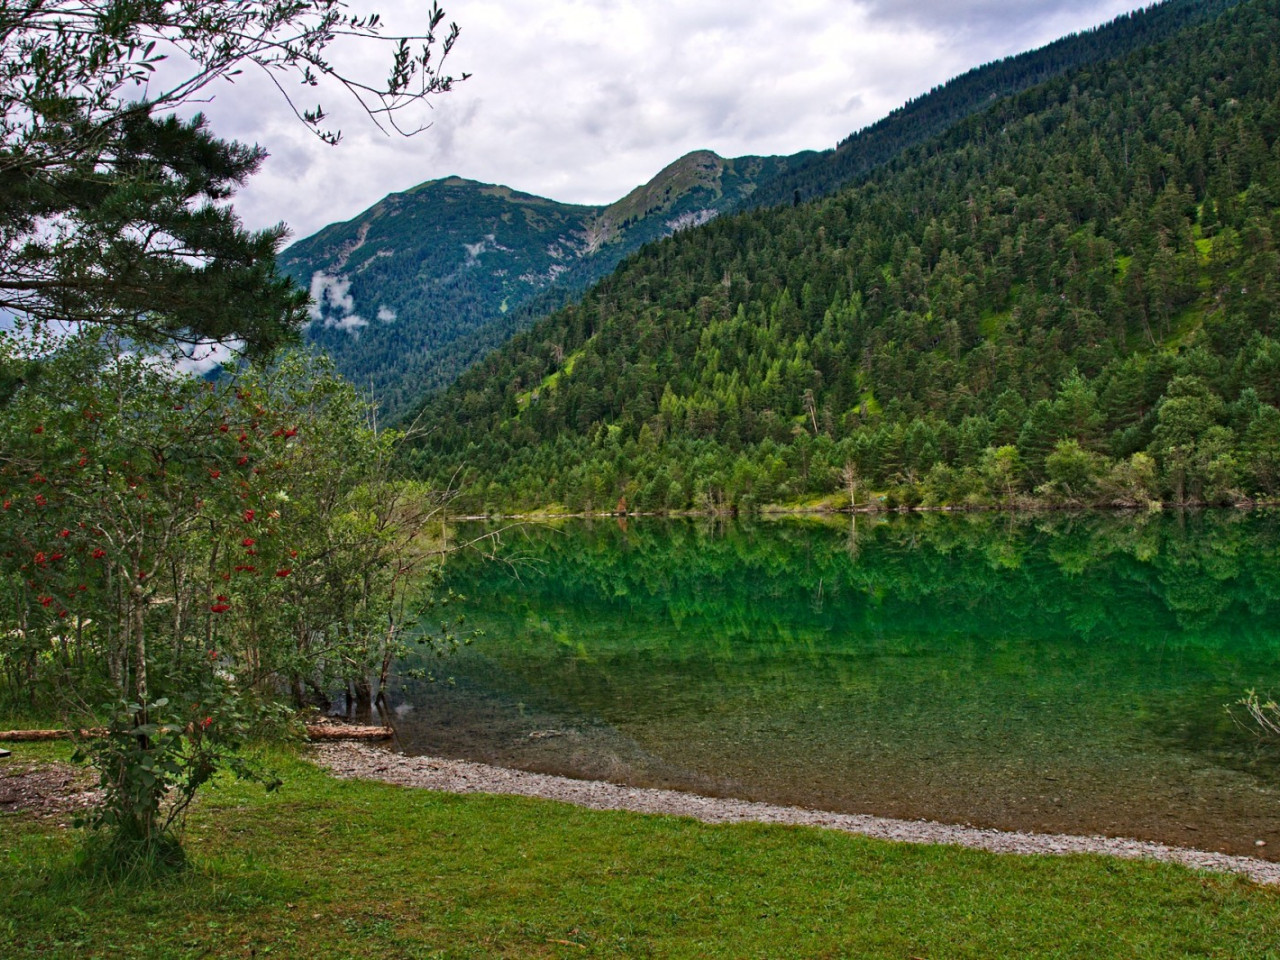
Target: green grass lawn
(332, 869)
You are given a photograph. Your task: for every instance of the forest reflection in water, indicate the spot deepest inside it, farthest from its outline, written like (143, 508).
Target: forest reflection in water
(1066, 673)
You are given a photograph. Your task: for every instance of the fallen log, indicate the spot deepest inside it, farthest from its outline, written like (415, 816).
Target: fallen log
(29, 736)
(346, 731)
(315, 731)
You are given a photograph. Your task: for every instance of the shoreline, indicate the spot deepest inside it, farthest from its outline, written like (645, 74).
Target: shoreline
(360, 761)
(769, 511)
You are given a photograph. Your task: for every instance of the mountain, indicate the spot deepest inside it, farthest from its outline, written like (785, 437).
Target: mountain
(942, 107)
(463, 266)
(400, 289)
(1073, 295)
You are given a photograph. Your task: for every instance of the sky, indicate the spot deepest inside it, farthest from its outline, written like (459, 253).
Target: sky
(582, 100)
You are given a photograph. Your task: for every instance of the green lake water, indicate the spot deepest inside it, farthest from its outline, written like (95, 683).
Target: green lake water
(1059, 673)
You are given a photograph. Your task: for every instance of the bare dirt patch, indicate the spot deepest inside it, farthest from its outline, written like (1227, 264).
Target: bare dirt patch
(45, 789)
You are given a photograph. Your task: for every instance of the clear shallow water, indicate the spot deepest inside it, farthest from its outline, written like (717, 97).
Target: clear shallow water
(1049, 673)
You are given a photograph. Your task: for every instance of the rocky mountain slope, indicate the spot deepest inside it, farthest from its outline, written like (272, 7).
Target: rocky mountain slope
(421, 271)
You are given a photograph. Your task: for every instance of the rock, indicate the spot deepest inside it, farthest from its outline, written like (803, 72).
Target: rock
(437, 773)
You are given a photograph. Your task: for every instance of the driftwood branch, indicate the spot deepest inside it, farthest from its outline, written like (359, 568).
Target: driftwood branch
(24, 736)
(342, 731)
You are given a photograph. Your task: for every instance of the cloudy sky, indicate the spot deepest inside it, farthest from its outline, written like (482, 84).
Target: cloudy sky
(581, 100)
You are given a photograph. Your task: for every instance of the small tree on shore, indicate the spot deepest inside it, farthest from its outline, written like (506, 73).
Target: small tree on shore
(153, 522)
(193, 552)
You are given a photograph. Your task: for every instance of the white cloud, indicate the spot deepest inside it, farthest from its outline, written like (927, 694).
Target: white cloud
(332, 303)
(329, 293)
(351, 323)
(581, 100)
(199, 359)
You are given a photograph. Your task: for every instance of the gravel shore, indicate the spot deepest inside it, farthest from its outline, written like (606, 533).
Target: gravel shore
(357, 760)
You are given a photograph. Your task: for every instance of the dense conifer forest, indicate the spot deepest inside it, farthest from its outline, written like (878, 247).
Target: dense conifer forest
(421, 285)
(1071, 296)
(939, 109)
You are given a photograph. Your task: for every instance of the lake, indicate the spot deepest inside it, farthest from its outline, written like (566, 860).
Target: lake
(1058, 673)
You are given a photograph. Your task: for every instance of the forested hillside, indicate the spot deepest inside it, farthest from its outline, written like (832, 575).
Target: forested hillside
(414, 289)
(1072, 294)
(423, 268)
(461, 265)
(938, 110)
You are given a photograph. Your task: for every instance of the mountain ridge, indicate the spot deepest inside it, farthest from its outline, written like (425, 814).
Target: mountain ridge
(452, 254)
(448, 313)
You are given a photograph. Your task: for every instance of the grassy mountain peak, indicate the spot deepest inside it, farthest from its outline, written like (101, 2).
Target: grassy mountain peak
(404, 287)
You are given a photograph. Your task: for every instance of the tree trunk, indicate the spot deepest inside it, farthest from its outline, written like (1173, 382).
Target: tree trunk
(364, 695)
(320, 697)
(137, 624)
